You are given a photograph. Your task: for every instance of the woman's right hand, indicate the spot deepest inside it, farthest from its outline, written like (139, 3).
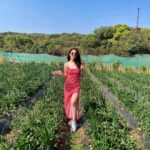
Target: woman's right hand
(57, 73)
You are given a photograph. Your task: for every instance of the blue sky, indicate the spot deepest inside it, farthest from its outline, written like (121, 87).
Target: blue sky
(80, 16)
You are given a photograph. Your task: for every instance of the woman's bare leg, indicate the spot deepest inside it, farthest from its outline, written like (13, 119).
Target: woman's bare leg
(74, 100)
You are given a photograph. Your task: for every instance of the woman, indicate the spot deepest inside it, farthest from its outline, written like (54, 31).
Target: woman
(72, 73)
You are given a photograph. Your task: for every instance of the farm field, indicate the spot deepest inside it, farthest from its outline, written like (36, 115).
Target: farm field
(19, 82)
(132, 90)
(39, 126)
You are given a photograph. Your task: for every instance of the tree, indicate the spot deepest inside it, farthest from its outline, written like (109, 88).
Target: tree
(10, 43)
(91, 41)
(1, 41)
(134, 43)
(104, 32)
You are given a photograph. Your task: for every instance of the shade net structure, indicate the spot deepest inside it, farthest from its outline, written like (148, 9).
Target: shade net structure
(135, 61)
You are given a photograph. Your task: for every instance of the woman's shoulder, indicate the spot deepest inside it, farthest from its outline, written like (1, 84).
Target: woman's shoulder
(66, 65)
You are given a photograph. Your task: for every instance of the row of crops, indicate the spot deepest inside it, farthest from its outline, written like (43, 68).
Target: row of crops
(37, 127)
(133, 92)
(105, 129)
(18, 82)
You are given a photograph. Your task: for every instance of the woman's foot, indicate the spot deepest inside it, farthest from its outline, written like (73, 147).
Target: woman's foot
(73, 126)
(69, 123)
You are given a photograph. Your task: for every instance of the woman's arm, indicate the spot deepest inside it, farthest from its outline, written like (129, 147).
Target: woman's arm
(60, 73)
(57, 73)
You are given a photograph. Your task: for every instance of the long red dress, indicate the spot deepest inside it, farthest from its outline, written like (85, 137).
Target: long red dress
(72, 85)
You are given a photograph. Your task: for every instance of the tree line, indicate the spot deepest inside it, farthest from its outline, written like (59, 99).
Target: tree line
(119, 39)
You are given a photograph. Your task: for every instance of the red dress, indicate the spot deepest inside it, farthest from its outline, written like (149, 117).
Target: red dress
(72, 85)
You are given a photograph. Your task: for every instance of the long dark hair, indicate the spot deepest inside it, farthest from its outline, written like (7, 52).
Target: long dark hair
(77, 58)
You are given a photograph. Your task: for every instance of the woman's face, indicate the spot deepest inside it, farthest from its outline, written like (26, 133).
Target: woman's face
(73, 54)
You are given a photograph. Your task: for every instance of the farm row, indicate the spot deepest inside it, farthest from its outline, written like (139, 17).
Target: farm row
(19, 82)
(38, 127)
(132, 90)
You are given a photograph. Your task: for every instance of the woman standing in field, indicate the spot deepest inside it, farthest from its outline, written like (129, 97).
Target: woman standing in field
(72, 73)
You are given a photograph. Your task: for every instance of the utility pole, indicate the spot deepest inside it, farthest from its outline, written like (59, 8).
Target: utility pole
(137, 24)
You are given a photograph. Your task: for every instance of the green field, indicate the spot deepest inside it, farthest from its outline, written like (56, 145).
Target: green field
(39, 127)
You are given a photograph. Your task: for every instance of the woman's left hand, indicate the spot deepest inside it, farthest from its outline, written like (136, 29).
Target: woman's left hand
(57, 73)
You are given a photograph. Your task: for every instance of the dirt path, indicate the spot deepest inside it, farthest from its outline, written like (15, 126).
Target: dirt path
(78, 140)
